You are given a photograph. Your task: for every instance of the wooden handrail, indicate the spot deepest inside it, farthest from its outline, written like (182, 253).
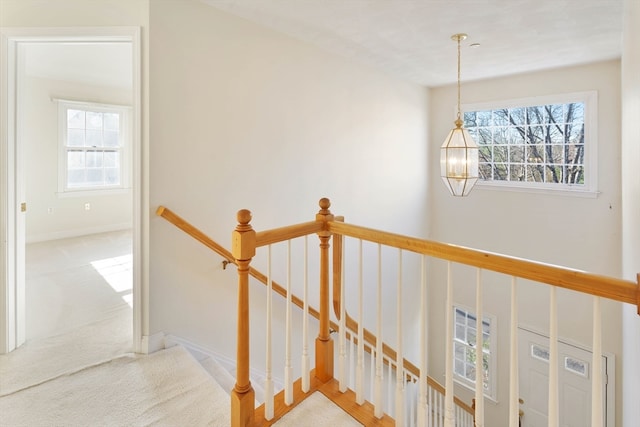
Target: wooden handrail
(276, 235)
(608, 287)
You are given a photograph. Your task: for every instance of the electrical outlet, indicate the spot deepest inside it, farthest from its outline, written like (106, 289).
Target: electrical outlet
(87, 206)
(49, 210)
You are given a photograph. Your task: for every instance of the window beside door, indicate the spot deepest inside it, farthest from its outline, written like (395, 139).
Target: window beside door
(464, 350)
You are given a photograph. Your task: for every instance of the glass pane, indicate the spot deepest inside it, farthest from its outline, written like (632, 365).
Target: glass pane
(535, 153)
(501, 117)
(94, 120)
(460, 332)
(75, 138)
(75, 178)
(535, 173)
(500, 172)
(557, 154)
(459, 367)
(94, 159)
(576, 366)
(94, 138)
(575, 175)
(535, 115)
(516, 135)
(517, 116)
(483, 118)
(111, 121)
(111, 139)
(95, 176)
(556, 135)
(516, 172)
(575, 112)
(75, 159)
(554, 113)
(486, 171)
(539, 352)
(516, 153)
(554, 173)
(111, 159)
(483, 136)
(75, 119)
(576, 134)
(500, 153)
(536, 134)
(501, 135)
(112, 176)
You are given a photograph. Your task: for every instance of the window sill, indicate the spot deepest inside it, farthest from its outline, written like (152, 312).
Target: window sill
(96, 192)
(564, 191)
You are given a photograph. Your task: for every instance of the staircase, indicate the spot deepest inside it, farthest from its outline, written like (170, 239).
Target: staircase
(56, 381)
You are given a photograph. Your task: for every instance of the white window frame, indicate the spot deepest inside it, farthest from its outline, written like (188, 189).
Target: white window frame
(590, 186)
(491, 392)
(125, 148)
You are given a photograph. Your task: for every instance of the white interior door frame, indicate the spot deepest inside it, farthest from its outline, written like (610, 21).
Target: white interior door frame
(12, 304)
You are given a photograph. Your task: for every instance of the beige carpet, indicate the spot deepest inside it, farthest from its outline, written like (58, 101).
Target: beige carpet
(41, 360)
(317, 411)
(167, 388)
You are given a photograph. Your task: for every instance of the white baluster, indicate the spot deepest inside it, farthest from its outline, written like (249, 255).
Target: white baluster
(372, 372)
(596, 380)
(268, 384)
(352, 355)
(514, 393)
(360, 359)
(399, 360)
(305, 323)
(342, 333)
(449, 420)
(422, 393)
(377, 399)
(288, 369)
(479, 353)
(554, 417)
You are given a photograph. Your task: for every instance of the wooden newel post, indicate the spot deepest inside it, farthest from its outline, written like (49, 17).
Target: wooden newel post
(324, 343)
(243, 249)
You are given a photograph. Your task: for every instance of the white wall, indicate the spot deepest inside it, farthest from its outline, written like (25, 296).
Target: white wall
(582, 233)
(244, 117)
(50, 216)
(631, 207)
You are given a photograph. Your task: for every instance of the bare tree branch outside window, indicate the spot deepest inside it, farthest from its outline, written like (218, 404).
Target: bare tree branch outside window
(538, 144)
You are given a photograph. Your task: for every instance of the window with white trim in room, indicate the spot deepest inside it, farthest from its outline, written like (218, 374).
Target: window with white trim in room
(464, 350)
(544, 143)
(93, 146)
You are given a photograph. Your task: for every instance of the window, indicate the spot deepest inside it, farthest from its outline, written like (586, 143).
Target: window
(542, 143)
(93, 146)
(464, 350)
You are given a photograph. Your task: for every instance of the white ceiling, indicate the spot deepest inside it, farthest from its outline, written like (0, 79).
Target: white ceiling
(412, 38)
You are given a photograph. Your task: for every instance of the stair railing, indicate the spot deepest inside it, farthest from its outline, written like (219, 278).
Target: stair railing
(517, 269)
(435, 390)
(246, 240)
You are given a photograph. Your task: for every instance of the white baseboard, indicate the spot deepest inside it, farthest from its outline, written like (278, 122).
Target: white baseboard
(66, 234)
(153, 343)
(200, 353)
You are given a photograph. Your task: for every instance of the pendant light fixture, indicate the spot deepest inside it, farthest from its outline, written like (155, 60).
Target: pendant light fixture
(459, 152)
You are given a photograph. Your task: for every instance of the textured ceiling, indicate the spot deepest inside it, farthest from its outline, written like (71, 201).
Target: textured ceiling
(412, 38)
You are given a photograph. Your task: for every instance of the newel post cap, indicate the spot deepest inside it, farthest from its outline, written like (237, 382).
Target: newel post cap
(243, 238)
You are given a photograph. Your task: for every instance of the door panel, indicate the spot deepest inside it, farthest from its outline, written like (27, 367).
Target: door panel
(574, 381)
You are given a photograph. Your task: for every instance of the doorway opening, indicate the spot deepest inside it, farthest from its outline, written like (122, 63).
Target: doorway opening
(71, 191)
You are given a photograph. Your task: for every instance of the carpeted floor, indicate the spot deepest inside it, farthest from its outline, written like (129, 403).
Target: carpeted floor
(167, 388)
(77, 369)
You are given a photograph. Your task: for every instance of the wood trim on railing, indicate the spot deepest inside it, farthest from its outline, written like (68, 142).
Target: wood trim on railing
(576, 280)
(282, 234)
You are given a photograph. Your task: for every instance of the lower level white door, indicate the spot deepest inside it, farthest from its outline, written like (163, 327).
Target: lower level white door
(574, 382)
